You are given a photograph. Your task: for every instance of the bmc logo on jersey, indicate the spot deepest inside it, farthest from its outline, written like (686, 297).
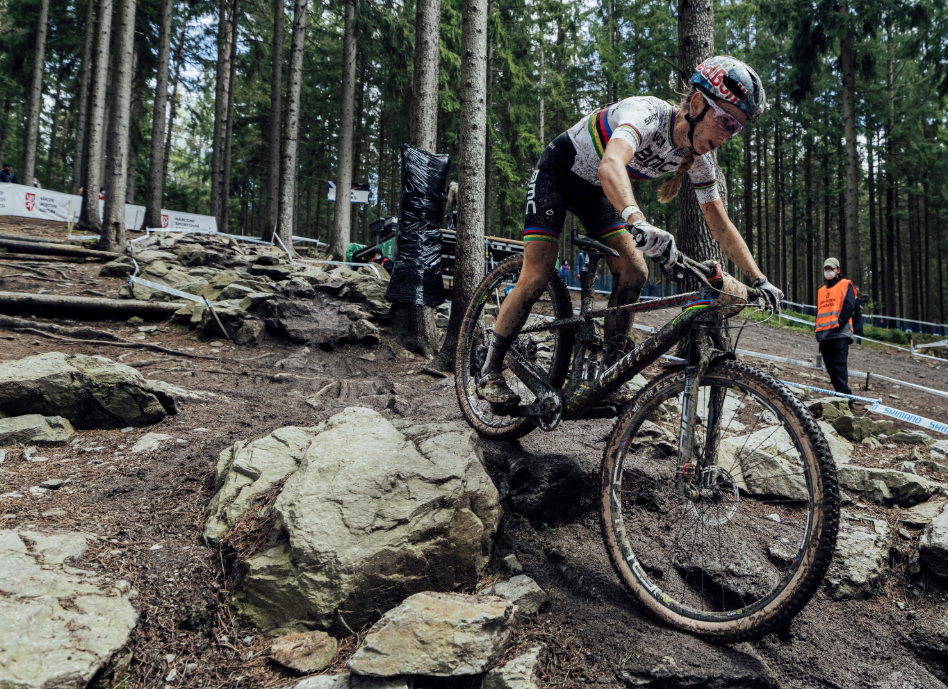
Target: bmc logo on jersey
(715, 75)
(164, 221)
(30, 201)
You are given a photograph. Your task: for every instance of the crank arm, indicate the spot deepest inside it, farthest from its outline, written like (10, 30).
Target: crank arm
(530, 375)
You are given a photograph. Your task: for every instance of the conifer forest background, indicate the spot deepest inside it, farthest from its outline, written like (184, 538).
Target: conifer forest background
(224, 96)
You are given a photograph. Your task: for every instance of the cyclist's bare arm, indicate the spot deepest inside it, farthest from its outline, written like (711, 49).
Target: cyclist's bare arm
(615, 179)
(729, 239)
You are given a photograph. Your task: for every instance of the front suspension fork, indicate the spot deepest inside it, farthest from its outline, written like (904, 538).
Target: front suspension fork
(688, 469)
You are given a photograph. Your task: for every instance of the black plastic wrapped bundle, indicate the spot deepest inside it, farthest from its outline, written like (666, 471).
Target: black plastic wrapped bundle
(417, 276)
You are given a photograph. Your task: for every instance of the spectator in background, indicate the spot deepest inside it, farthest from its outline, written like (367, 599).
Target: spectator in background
(834, 327)
(383, 261)
(36, 184)
(582, 261)
(564, 271)
(6, 175)
(101, 193)
(857, 314)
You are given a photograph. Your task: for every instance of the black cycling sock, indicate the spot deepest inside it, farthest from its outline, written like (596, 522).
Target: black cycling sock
(496, 353)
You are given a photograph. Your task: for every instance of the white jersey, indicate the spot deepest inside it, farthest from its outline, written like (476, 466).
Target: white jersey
(645, 123)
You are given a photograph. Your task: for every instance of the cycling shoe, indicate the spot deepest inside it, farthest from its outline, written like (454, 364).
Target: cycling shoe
(493, 388)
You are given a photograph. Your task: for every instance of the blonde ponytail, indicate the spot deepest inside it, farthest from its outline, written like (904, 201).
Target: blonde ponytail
(669, 190)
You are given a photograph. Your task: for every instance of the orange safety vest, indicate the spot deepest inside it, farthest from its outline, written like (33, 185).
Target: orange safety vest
(830, 304)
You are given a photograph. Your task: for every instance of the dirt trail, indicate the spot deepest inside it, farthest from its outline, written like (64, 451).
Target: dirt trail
(132, 503)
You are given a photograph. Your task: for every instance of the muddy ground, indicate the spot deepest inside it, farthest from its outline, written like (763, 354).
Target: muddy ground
(146, 513)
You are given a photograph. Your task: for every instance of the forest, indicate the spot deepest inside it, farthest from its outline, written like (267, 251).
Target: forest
(235, 109)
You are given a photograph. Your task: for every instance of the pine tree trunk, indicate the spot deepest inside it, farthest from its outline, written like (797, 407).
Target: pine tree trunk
(276, 121)
(778, 255)
(229, 128)
(469, 254)
(853, 265)
(113, 225)
(488, 158)
(291, 140)
(36, 95)
(889, 280)
(54, 122)
(89, 216)
(414, 326)
(340, 232)
(810, 235)
(154, 192)
(695, 43)
(178, 60)
(221, 108)
(85, 79)
(134, 116)
(748, 192)
(873, 245)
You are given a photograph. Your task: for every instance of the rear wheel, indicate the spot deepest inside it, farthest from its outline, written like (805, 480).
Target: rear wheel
(746, 545)
(548, 350)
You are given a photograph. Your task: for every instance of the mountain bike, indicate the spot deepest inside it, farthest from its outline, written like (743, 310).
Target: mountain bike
(719, 503)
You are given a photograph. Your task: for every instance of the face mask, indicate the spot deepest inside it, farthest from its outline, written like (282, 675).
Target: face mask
(829, 274)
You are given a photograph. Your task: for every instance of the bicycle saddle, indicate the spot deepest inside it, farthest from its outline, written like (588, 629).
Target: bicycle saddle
(592, 246)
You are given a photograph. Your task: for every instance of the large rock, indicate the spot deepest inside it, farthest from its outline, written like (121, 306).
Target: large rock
(309, 322)
(840, 448)
(764, 463)
(60, 624)
(933, 546)
(350, 681)
(519, 673)
(439, 634)
(858, 429)
(35, 429)
(89, 391)
(861, 561)
(885, 487)
(159, 272)
(374, 513)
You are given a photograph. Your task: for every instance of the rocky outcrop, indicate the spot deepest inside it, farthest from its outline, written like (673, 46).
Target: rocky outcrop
(912, 438)
(349, 681)
(35, 429)
(885, 487)
(60, 624)
(521, 672)
(309, 322)
(89, 391)
(830, 408)
(933, 546)
(764, 463)
(372, 512)
(858, 429)
(861, 562)
(439, 634)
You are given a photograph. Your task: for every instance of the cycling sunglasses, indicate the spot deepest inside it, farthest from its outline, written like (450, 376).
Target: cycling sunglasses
(728, 123)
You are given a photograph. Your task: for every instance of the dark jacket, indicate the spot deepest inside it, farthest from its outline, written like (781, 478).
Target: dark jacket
(849, 306)
(8, 177)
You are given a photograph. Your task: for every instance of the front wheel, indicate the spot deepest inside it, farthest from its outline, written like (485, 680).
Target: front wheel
(745, 544)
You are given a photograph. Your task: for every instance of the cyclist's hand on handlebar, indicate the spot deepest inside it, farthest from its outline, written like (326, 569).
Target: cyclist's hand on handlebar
(655, 243)
(769, 293)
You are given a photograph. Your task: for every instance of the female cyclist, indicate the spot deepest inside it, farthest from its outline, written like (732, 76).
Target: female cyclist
(586, 171)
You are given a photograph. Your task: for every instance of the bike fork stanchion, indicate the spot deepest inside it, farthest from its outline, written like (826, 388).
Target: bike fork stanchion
(687, 467)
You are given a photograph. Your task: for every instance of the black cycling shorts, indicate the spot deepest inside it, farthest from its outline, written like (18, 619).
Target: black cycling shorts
(554, 189)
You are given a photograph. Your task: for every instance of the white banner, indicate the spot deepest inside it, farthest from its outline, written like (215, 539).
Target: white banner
(880, 408)
(42, 204)
(358, 194)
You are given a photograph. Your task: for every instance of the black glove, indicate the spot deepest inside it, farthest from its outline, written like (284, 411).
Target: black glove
(770, 294)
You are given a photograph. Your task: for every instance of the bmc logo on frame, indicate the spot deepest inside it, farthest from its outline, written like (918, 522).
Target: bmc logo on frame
(164, 221)
(30, 202)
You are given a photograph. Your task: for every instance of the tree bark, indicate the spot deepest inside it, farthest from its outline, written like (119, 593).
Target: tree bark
(135, 112)
(154, 192)
(810, 235)
(54, 120)
(695, 43)
(87, 307)
(340, 233)
(276, 122)
(221, 108)
(848, 68)
(113, 218)
(873, 232)
(889, 280)
(85, 79)
(748, 192)
(36, 95)
(89, 216)
(469, 253)
(291, 141)
(179, 58)
(414, 326)
(229, 127)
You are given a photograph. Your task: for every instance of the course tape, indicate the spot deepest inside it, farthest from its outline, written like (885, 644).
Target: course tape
(940, 343)
(132, 281)
(940, 393)
(938, 426)
(831, 393)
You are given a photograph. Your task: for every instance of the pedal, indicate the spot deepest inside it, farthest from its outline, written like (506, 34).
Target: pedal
(505, 409)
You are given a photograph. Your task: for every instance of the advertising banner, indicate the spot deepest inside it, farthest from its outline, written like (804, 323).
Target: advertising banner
(42, 204)
(359, 193)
